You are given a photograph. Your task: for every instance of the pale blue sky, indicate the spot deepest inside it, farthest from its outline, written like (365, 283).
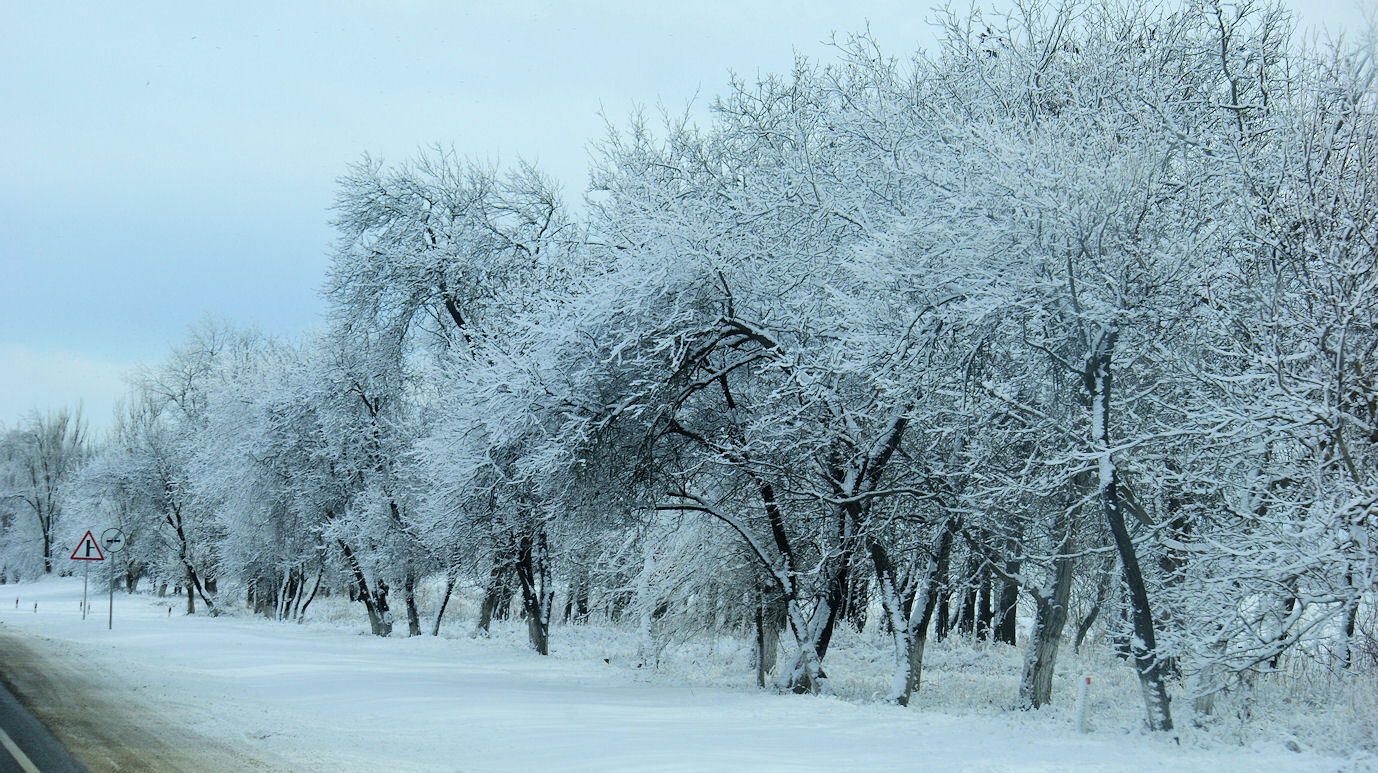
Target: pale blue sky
(162, 162)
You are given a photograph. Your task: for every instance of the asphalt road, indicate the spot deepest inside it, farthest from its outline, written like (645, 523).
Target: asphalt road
(96, 717)
(26, 746)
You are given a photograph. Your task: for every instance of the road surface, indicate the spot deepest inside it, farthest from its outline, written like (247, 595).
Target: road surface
(96, 718)
(26, 745)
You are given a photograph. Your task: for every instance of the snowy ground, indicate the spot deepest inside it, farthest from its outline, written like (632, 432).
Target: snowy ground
(252, 694)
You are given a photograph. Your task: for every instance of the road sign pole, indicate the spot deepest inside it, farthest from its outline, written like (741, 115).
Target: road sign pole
(83, 553)
(113, 539)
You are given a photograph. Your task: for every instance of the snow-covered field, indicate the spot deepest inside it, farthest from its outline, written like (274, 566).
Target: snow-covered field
(322, 697)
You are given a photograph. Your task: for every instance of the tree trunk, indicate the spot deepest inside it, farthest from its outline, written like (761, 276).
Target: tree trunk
(194, 589)
(776, 617)
(375, 603)
(577, 605)
(985, 613)
(966, 622)
(1008, 605)
(771, 616)
(444, 601)
(1146, 661)
(837, 599)
(492, 596)
(910, 633)
(944, 621)
(1351, 648)
(300, 614)
(581, 602)
(858, 599)
(409, 596)
(380, 603)
(1007, 608)
(533, 570)
(502, 608)
(806, 673)
(901, 636)
(1050, 615)
(1105, 582)
(760, 643)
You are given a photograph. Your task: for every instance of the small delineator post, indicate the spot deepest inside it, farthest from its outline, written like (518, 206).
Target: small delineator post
(1083, 686)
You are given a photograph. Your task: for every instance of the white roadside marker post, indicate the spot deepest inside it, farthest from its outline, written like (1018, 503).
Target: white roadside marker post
(1082, 688)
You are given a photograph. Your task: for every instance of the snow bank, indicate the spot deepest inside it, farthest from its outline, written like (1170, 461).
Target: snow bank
(327, 698)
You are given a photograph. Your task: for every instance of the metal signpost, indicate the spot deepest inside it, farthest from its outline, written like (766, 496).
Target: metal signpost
(84, 552)
(113, 540)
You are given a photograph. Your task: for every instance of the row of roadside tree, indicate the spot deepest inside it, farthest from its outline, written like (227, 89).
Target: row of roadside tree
(1085, 298)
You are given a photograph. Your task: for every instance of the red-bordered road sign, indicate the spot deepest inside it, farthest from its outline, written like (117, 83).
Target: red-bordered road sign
(86, 548)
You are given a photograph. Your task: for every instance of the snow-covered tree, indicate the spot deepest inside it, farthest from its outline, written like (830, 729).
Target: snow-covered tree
(36, 460)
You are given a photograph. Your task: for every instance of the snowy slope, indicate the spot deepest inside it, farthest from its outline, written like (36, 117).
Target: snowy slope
(319, 698)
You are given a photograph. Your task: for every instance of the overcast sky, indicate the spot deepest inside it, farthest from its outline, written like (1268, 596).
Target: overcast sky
(165, 162)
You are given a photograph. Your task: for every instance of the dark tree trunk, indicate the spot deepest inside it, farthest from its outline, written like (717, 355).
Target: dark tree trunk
(919, 628)
(1120, 637)
(450, 578)
(301, 611)
(759, 619)
(944, 622)
(1106, 581)
(774, 617)
(380, 603)
(1050, 614)
(581, 603)
(1007, 607)
(837, 597)
(375, 601)
(251, 597)
(577, 605)
(533, 571)
(502, 609)
(1351, 648)
(492, 596)
(858, 599)
(1146, 661)
(194, 589)
(966, 622)
(409, 596)
(985, 613)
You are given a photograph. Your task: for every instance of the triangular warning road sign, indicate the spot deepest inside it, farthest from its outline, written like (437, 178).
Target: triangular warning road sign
(88, 549)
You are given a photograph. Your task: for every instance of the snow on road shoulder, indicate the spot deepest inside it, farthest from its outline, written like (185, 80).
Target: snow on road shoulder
(328, 699)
